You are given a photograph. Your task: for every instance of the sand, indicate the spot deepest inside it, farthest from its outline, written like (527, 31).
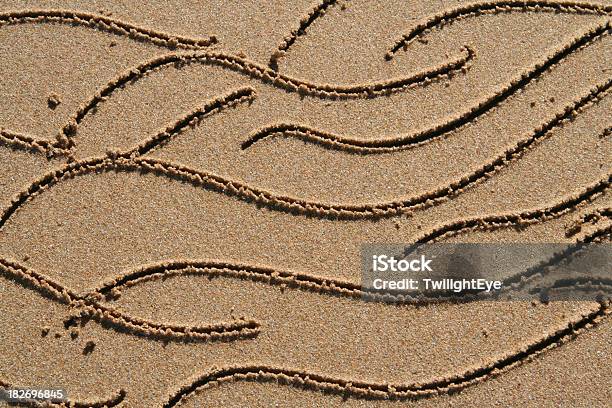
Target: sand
(185, 190)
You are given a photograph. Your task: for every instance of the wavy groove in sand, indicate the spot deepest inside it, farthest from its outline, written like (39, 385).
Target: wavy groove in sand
(495, 7)
(193, 118)
(281, 203)
(106, 24)
(367, 390)
(110, 402)
(315, 13)
(591, 217)
(298, 206)
(524, 218)
(389, 144)
(327, 286)
(90, 306)
(29, 143)
(313, 381)
(522, 279)
(342, 288)
(268, 76)
(86, 307)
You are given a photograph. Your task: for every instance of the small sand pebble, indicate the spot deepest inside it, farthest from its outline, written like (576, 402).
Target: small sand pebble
(89, 347)
(45, 331)
(53, 101)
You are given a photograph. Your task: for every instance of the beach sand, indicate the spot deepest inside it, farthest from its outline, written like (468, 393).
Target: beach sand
(185, 190)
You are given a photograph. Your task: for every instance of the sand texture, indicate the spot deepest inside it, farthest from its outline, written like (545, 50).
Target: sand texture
(185, 189)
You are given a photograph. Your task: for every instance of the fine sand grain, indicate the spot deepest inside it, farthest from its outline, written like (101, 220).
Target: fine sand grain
(185, 190)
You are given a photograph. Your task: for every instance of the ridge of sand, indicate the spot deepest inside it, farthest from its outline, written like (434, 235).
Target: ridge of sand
(104, 23)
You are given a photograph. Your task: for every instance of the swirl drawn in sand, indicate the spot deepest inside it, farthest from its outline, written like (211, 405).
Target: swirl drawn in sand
(299, 206)
(325, 139)
(86, 307)
(493, 222)
(452, 66)
(334, 287)
(112, 289)
(347, 387)
(89, 306)
(313, 15)
(300, 378)
(496, 7)
(346, 143)
(193, 118)
(379, 391)
(255, 71)
(322, 285)
(444, 18)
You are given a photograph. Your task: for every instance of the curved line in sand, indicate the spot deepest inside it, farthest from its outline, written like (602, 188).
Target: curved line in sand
(281, 203)
(494, 7)
(192, 119)
(87, 307)
(354, 145)
(298, 206)
(26, 142)
(328, 384)
(530, 275)
(339, 386)
(524, 218)
(106, 24)
(585, 284)
(109, 402)
(329, 286)
(380, 391)
(268, 76)
(320, 285)
(591, 217)
(373, 390)
(314, 14)
(255, 273)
